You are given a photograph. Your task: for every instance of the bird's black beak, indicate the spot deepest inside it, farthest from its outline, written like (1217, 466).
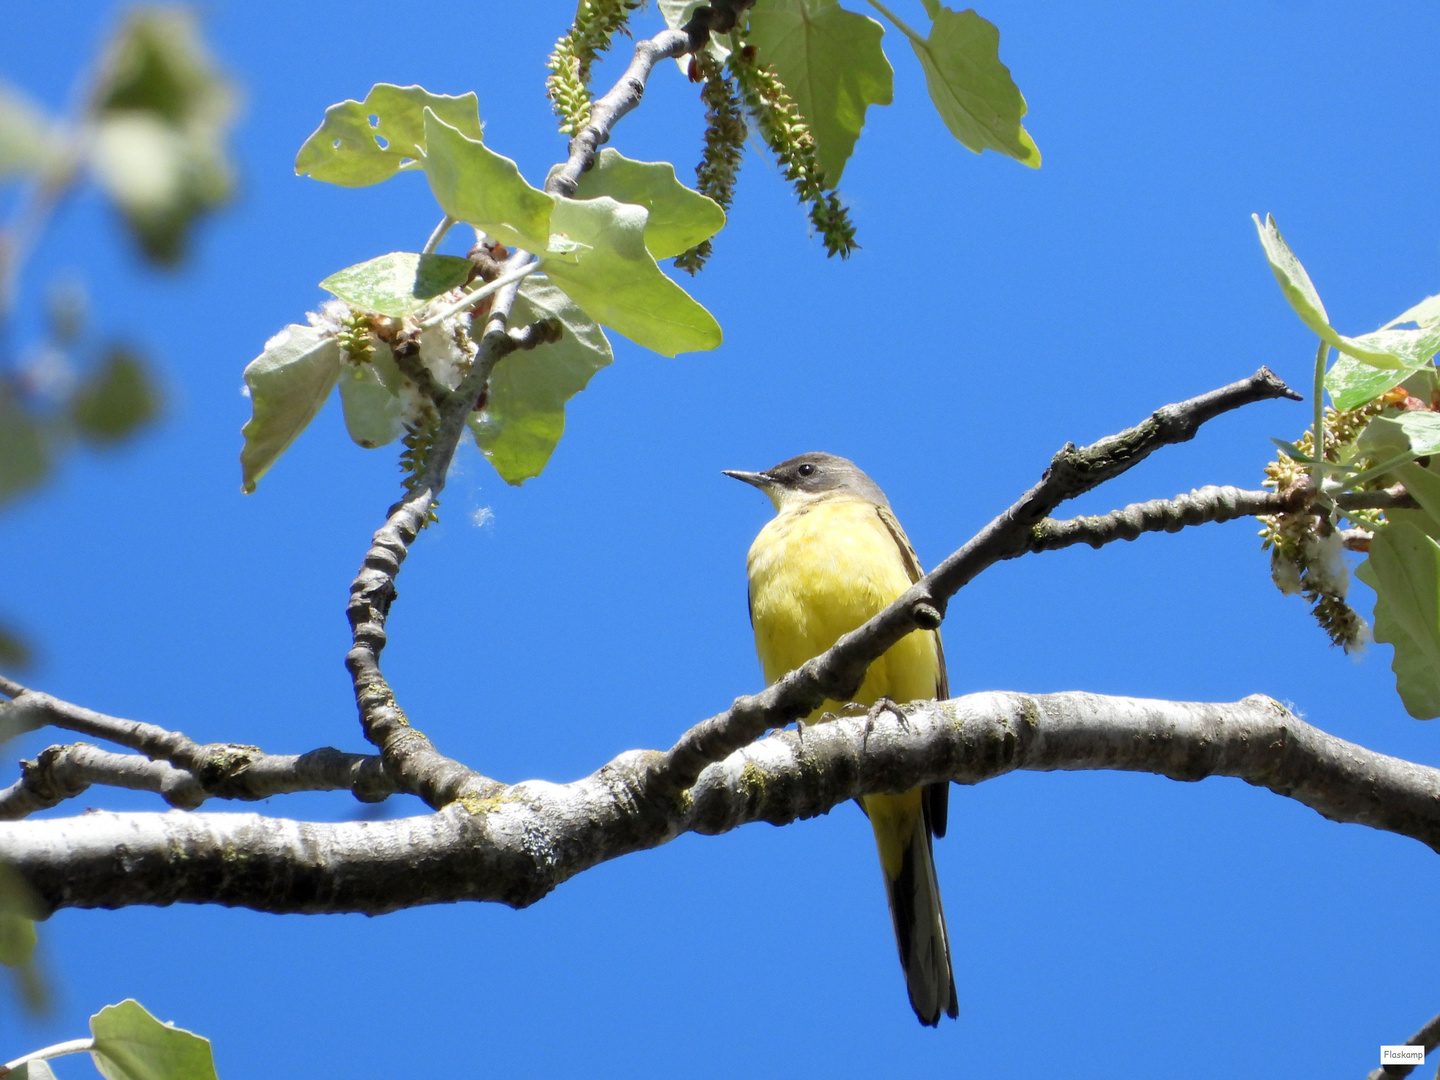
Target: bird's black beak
(757, 479)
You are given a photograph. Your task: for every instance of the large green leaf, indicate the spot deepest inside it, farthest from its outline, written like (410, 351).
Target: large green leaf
(374, 413)
(288, 384)
(130, 1044)
(474, 184)
(160, 112)
(1404, 570)
(1352, 383)
(972, 90)
(680, 217)
(349, 151)
(617, 281)
(398, 284)
(524, 414)
(24, 447)
(30, 144)
(117, 399)
(1425, 313)
(831, 62)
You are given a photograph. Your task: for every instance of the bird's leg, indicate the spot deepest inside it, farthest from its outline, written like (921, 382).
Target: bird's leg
(874, 712)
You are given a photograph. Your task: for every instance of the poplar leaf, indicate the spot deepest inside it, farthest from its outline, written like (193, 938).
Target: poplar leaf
(398, 284)
(831, 62)
(476, 185)
(369, 394)
(1404, 570)
(288, 384)
(349, 151)
(1418, 432)
(30, 143)
(130, 1044)
(524, 414)
(972, 90)
(1425, 313)
(24, 448)
(680, 217)
(617, 281)
(1352, 383)
(676, 14)
(118, 399)
(39, 1069)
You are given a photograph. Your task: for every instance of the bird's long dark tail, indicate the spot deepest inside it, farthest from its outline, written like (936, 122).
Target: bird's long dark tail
(902, 835)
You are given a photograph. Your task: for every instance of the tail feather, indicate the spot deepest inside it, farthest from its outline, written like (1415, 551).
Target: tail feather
(902, 832)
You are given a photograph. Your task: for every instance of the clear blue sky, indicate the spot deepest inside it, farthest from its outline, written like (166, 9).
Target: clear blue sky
(1102, 924)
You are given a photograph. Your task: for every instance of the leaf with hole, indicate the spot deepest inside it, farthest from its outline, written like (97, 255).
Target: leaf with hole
(398, 284)
(288, 384)
(349, 151)
(831, 62)
(524, 414)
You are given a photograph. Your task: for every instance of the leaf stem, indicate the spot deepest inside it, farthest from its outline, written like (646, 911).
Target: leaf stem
(900, 24)
(1317, 471)
(474, 297)
(74, 1046)
(437, 235)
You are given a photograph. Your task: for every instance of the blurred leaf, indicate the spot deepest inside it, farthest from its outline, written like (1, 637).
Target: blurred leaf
(831, 62)
(347, 150)
(161, 111)
(1352, 384)
(374, 414)
(1404, 570)
(38, 1069)
(30, 143)
(24, 449)
(116, 400)
(18, 911)
(476, 185)
(14, 654)
(288, 384)
(1425, 313)
(679, 217)
(616, 280)
(400, 283)
(130, 1044)
(524, 414)
(972, 90)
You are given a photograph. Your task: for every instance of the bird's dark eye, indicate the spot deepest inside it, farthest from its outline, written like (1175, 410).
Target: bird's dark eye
(806, 470)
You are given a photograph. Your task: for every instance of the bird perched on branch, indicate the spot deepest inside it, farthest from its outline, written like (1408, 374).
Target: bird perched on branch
(834, 556)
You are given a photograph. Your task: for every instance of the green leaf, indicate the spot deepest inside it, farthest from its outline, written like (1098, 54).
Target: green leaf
(676, 14)
(972, 90)
(476, 185)
(617, 281)
(374, 414)
(130, 1044)
(1425, 313)
(1424, 487)
(39, 1069)
(118, 399)
(1352, 383)
(346, 150)
(30, 144)
(288, 384)
(680, 217)
(161, 112)
(15, 655)
(24, 448)
(1404, 570)
(831, 62)
(18, 910)
(1417, 431)
(524, 414)
(398, 284)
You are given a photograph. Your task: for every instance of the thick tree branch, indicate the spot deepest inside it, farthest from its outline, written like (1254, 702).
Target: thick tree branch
(837, 673)
(1199, 507)
(1428, 1037)
(519, 843)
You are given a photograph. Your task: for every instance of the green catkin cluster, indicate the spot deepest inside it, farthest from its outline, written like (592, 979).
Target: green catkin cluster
(419, 440)
(596, 22)
(1304, 550)
(355, 338)
(788, 135)
(725, 132)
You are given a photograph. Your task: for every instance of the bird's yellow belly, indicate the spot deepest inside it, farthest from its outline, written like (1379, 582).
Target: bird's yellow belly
(818, 573)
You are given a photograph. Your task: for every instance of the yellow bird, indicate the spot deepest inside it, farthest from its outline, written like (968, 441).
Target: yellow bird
(834, 556)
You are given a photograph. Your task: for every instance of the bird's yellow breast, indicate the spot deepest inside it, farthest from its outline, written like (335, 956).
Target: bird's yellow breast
(822, 570)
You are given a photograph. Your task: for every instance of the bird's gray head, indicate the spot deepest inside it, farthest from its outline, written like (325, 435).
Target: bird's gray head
(811, 477)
